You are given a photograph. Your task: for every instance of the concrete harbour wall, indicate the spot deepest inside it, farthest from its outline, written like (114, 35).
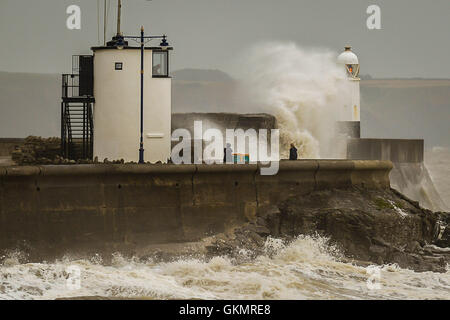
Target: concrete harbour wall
(409, 174)
(395, 150)
(106, 208)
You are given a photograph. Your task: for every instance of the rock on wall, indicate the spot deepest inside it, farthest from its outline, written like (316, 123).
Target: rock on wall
(35, 150)
(8, 145)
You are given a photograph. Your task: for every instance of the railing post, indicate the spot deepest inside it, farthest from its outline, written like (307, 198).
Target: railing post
(84, 132)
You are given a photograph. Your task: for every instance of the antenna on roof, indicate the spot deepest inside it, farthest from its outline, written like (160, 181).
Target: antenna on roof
(119, 13)
(119, 20)
(105, 21)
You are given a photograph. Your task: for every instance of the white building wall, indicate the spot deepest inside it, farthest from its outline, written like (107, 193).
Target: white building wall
(157, 123)
(117, 107)
(351, 109)
(356, 101)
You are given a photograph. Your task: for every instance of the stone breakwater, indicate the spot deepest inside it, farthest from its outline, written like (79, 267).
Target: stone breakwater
(48, 211)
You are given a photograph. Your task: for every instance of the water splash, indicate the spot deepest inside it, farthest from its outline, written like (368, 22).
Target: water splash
(307, 268)
(304, 88)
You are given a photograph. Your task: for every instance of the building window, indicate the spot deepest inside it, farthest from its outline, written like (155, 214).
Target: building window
(160, 64)
(118, 65)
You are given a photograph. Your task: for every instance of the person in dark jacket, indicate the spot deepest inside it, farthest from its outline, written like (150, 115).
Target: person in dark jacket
(293, 152)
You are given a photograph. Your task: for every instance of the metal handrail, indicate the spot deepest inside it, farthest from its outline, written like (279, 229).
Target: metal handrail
(70, 85)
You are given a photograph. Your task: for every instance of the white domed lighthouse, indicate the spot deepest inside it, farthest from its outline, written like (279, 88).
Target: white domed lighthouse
(350, 113)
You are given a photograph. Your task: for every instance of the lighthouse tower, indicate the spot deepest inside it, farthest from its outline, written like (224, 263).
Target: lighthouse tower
(349, 115)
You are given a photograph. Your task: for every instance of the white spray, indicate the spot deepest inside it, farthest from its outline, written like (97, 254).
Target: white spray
(307, 268)
(304, 89)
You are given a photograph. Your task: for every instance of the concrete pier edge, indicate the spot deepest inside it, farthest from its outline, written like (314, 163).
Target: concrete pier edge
(299, 165)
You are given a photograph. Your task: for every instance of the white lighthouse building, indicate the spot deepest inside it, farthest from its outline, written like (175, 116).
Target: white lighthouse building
(117, 112)
(116, 103)
(350, 112)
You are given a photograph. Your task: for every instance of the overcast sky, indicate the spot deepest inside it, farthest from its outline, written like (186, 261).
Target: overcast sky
(414, 40)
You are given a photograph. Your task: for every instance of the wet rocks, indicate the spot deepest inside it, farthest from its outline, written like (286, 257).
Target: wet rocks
(47, 151)
(442, 230)
(249, 238)
(378, 226)
(369, 226)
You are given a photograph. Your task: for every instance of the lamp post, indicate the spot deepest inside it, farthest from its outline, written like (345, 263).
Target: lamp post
(120, 44)
(141, 142)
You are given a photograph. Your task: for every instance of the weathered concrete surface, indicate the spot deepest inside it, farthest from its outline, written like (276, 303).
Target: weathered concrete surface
(223, 121)
(6, 161)
(409, 174)
(395, 150)
(50, 210)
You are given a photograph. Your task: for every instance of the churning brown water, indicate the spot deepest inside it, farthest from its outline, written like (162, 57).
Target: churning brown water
(307, 268)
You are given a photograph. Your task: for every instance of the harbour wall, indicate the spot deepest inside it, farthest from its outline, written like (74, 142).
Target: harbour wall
(395, 150)
(409, 174)
(108, 208)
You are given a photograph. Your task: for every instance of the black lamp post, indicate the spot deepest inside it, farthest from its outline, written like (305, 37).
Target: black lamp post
(120, 43)
(141, 142)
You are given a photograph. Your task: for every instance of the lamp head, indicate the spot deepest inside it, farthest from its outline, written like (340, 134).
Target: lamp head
(164, 44)
(120, 42)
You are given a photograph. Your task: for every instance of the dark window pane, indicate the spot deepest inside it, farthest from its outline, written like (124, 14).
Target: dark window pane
(160, 64)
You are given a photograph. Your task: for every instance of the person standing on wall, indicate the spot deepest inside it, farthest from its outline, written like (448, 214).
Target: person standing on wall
(227, 154)
(293, 152)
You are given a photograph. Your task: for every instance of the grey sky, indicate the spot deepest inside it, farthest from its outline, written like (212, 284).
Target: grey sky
(414, 41)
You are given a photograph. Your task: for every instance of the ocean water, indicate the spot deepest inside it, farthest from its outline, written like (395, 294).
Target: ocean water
(307, 268)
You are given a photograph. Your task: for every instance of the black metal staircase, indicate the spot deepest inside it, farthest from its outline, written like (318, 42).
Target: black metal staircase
(78, 133)
(77, 126)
